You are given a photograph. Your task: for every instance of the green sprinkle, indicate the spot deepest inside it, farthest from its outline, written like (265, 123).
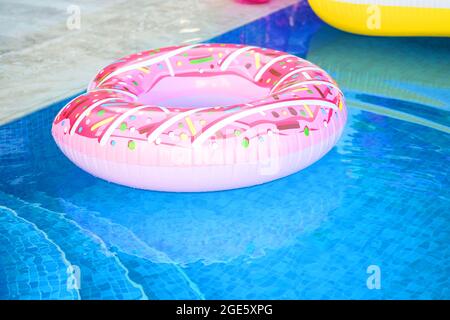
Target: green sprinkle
(245, 142)
(310, 91)
(180, 125)
(135, 83)
(123, 126)
(237, 133)
(306, 131)
(101, 113)
(201, 60)
(131, 145)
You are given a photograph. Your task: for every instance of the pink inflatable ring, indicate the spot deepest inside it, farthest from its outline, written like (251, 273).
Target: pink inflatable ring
(202, 117)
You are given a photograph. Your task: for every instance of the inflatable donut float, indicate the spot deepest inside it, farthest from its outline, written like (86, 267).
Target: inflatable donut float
(202, 117)
(386, 17)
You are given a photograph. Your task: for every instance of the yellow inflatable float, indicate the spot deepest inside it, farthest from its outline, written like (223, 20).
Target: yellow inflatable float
(386, 17)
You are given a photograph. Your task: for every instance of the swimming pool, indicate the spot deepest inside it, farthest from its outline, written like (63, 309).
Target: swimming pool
(380, 197)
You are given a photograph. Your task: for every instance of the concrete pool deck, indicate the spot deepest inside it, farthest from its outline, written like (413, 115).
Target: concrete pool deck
(49, 50)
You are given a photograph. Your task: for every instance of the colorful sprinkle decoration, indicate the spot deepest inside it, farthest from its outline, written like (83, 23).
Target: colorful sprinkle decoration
(306, 131)
(245, 142)
(131, 145)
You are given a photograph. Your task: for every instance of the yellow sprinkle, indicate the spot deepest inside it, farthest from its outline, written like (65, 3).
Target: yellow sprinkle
(300, 89)
(179, 63)
(143, 69)
(191, 126)
(340, 104)
(268, 80)
(220, 54)
(183, 136)
(308, 110)
(100, 123)
(257, 61)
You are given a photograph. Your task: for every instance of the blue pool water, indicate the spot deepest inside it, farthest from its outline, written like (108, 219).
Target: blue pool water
(380, 197)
